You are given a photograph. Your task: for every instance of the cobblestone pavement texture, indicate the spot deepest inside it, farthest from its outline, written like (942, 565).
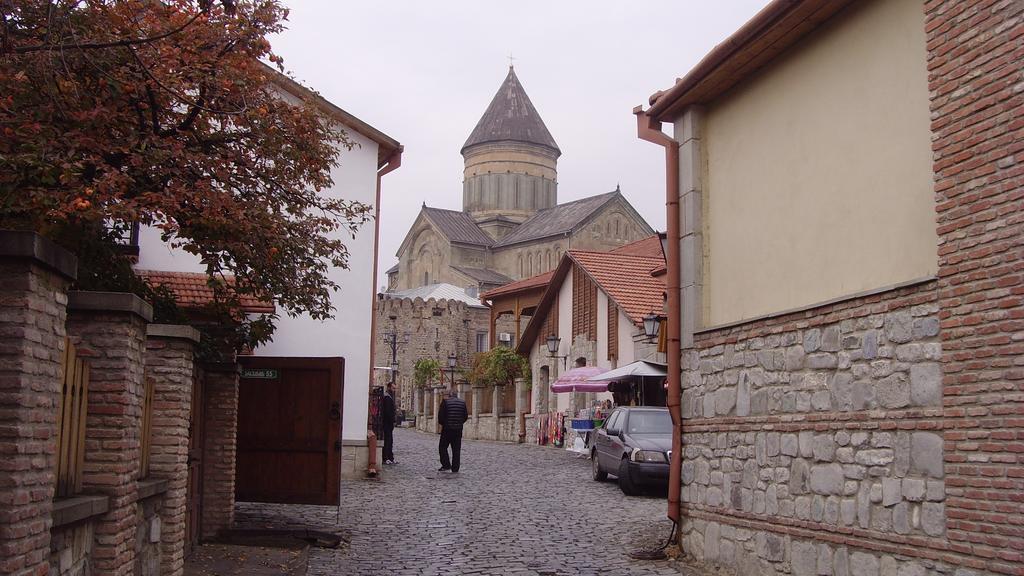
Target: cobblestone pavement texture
(511, 510)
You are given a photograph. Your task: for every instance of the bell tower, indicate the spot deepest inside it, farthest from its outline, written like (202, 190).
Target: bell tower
(510, 162)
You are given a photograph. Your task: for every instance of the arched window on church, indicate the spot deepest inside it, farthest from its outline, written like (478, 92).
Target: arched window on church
(529, 265)
(547, 259)
(522, 271)
(426, 278)
(617, 228)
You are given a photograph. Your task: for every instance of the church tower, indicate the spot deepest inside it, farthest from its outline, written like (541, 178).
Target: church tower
(510, 163)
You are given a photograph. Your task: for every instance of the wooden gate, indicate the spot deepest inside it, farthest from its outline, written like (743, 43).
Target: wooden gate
(289, 430)
(71, 415)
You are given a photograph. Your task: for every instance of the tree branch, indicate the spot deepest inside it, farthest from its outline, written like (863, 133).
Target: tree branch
(104, 45)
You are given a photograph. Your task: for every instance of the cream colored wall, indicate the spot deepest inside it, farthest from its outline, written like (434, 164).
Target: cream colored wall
(626, 331)
(602, 331)
(818, 178)
(565, 333)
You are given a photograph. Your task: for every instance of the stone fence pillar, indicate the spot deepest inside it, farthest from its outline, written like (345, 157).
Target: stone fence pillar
(34, 278)
(496, 410)
(220, 414)
(477, 399)
(170, 364)
(109, 328)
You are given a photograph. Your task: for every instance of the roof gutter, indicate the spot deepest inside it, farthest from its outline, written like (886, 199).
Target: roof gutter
(649, 129)
(662, 102)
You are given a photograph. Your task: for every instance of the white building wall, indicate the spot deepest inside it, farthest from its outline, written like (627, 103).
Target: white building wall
(626, 330)
(346, 335)
(565, 333)
(602, 331)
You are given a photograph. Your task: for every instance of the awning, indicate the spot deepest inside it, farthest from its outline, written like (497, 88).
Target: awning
(637, 369)
(576, 380)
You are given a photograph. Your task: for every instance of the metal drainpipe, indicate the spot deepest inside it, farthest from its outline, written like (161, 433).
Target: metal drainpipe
(649, 129)
(392, 163)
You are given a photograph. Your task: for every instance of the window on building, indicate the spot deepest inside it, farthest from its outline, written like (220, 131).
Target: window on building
(481, 341)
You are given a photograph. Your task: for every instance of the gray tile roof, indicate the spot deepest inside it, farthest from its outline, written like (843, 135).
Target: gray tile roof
(392, 270)
(511, 116)
(458, 226)
(484, 275)
(557, 220)
(437, 292)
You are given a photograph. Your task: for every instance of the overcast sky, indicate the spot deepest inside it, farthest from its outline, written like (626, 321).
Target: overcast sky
(423, 72)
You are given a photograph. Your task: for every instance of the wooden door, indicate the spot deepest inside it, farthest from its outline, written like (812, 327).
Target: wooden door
(195, 465)
(289, 430)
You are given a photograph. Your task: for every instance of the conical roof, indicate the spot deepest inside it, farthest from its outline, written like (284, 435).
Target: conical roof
(511, 116)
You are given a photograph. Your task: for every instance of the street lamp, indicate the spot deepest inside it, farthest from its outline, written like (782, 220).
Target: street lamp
(393, 341)
(652, 325)
(554, 342)
(452, 361)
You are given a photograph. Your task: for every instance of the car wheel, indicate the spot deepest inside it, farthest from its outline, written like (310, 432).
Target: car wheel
(595, 468)
(625, 482)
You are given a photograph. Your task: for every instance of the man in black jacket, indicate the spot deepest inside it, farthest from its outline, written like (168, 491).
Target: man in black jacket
(451, 416)
(388, 424)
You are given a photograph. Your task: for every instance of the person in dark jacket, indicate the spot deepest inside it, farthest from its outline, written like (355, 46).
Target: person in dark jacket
(388, 424)
(451, 416)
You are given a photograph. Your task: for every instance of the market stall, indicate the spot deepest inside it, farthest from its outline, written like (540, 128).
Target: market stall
(641, 383)
(572, 426)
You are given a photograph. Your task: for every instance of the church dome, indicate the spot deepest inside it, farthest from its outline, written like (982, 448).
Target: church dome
(511, 117)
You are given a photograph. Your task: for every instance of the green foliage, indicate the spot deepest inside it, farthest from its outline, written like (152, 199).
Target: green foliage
(499, 366)
(426, 371)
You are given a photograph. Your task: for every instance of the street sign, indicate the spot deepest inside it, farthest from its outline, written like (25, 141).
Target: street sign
(261, 373)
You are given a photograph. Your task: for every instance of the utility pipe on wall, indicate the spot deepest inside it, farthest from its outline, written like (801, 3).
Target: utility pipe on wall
(649, 129)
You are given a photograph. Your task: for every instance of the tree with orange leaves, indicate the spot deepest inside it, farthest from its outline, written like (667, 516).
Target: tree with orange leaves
(160, 112)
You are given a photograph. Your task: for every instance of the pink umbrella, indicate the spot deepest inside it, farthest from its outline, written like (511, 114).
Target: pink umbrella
(575, 380)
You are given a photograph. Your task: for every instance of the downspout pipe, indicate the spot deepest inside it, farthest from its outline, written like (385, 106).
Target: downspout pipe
(649, 129)
(391, 164)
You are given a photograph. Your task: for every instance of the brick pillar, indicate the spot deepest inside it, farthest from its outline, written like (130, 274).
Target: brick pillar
(109, 328)
(975, 79)
(221, 431)
(34, 276)
(170, 364)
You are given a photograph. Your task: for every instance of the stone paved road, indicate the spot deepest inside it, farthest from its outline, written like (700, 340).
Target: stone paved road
(511, 510)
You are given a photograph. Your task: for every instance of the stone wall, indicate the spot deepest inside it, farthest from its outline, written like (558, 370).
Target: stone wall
(823, 425)
(436, 329)
(147, 537)
(71, 550)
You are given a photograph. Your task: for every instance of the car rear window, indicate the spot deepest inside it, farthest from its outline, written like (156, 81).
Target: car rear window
(650, 422)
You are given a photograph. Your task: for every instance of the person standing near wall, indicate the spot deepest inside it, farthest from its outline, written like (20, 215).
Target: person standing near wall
(451, 416)
(388, 425)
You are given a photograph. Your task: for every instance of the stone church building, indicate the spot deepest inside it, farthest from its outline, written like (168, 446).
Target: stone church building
(511, 225)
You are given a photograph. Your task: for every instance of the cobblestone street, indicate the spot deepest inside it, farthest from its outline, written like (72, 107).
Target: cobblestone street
(484, 520)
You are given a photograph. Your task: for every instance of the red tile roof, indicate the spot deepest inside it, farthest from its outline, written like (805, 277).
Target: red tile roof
(532, 282)
(627, 279)
(192, 290)
(650, 247)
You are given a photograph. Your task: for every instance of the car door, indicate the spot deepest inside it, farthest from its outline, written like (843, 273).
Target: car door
(608, 456)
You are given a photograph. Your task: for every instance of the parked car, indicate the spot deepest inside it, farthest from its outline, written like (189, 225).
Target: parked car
(634, 444)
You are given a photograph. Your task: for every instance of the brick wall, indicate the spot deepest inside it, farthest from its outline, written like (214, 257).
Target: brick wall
(221, 430)
(170, 364)
(975, 50)
(32, 313)
(109, 329)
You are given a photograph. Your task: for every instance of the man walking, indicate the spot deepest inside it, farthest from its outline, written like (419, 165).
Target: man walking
(451, 416)
(388, 424)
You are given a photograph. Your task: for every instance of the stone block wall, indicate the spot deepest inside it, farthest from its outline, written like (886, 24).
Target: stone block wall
(452, 331)
(34, 277)
(221, 434)
(977, 94)
(148, 537)
(818, 428)
(71, 550)
(109, 329)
